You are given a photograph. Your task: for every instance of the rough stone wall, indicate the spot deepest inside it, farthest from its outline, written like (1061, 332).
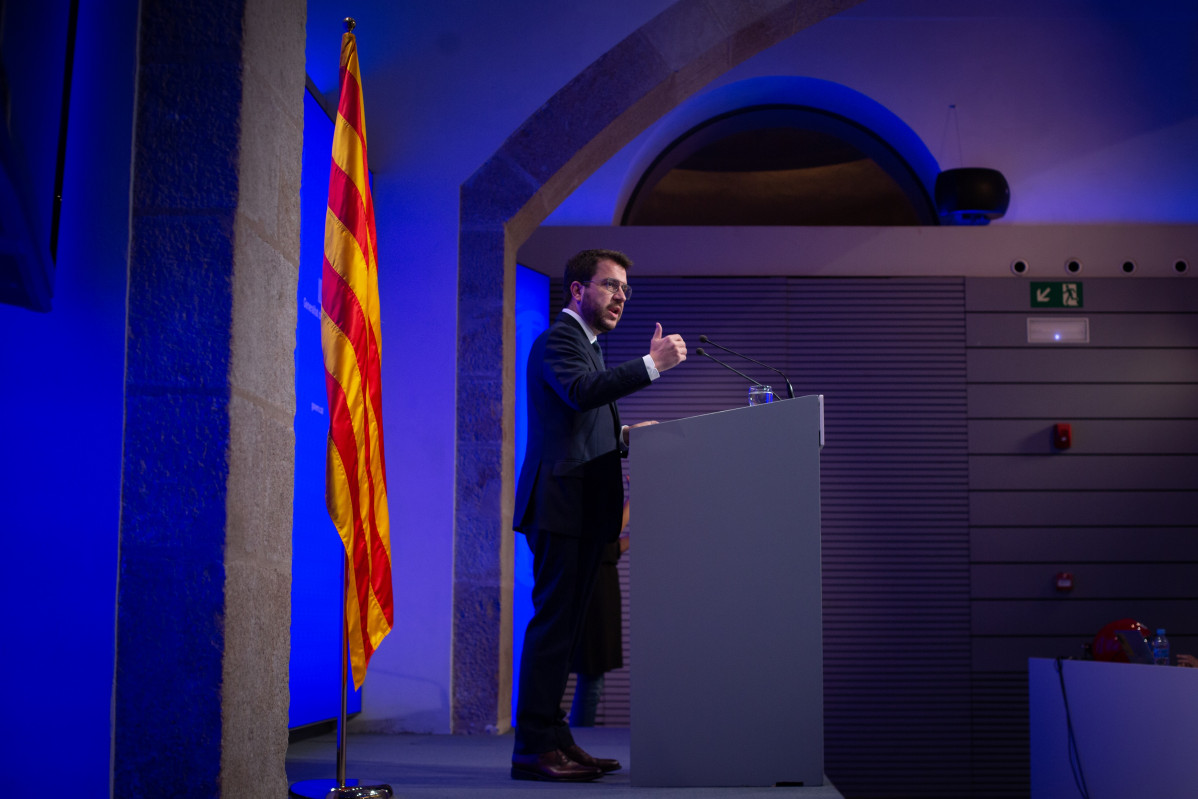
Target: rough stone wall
(262, 401)
(203, 606)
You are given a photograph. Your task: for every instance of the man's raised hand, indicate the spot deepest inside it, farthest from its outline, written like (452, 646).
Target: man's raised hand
(666, 351)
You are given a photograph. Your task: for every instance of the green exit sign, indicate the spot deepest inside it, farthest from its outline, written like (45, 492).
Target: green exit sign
(1056, 295)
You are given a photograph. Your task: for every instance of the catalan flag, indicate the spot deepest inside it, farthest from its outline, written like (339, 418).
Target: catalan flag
(355, 479)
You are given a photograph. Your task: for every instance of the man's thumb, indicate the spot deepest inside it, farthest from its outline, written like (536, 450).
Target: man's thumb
(657, 332)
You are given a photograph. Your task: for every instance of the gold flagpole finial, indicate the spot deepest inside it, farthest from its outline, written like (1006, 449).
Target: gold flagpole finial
(350, 24)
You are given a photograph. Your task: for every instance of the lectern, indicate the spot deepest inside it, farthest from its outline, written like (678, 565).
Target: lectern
(725, 599)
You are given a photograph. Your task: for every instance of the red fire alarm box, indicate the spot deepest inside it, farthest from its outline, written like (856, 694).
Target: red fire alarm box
(1062, 435)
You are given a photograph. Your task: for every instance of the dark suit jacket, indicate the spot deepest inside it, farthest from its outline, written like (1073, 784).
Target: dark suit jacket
(570, 482)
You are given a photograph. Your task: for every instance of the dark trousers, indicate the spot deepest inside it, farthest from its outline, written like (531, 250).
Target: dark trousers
(564, 570)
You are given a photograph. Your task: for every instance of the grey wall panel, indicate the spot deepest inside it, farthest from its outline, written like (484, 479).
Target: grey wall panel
(1010, 400)
(998, 734)
(1106, 329)
(1174, 580)
(1130, 295)
(1119, 509)
(888, 356)
(1099, 544)
(1059, 617)
(1083, 365)
(1131, 436)
(1010, 654)
(1075, 471)
(1083, 508)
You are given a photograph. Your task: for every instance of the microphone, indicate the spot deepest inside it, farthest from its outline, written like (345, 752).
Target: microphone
(701, 351)
(790, 392)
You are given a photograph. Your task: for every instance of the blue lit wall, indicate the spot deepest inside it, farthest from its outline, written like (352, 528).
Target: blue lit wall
(316, 551)
(532, 316)
(62, 403)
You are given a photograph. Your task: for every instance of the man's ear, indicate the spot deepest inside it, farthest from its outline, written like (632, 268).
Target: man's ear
(576, 291)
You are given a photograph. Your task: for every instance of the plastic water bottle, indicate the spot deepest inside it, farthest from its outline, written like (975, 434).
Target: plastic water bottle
(1160, 648)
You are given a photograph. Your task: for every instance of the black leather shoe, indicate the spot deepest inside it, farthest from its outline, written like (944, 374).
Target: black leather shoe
(553, 767)
(604, 764)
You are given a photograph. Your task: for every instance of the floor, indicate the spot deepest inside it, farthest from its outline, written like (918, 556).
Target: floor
(444, 766)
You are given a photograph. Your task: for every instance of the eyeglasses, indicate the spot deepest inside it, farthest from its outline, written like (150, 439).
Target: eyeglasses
(611, 286)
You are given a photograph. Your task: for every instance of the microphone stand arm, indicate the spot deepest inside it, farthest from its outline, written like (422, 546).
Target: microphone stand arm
(705, 354)
(790, 392)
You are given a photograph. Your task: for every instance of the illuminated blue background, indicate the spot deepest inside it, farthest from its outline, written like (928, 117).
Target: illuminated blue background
(532, 316)
(63, 405)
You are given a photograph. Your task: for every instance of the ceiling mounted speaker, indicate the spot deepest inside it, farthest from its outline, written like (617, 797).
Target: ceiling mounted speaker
(971, 196)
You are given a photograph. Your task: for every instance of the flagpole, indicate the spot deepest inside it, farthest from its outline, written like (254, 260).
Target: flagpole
(344, 678)
(337, 789)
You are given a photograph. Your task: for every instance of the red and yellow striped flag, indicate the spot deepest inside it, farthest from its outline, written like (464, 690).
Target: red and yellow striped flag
(355, 479)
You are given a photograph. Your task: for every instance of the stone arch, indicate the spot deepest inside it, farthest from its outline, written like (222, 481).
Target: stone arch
(598, 112)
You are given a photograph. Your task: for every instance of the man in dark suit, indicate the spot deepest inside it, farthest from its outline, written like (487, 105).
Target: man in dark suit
(569, 498)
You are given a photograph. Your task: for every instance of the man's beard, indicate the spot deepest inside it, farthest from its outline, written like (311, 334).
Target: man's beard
(601, 322)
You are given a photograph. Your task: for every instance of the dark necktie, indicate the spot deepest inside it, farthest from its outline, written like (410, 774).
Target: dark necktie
(615, 413)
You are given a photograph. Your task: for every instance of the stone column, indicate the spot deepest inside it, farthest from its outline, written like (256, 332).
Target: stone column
(203, 604)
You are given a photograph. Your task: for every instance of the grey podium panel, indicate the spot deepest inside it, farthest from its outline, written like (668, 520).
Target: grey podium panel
(725, 599)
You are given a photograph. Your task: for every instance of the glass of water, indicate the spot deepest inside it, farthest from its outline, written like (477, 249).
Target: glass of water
(760, 395)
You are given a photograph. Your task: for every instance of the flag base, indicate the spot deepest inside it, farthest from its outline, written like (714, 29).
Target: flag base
(329, 789)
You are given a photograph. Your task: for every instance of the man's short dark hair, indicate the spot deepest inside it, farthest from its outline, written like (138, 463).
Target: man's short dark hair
(582, 267)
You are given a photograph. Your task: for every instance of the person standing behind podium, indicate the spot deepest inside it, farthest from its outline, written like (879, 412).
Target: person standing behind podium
(570, 495)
